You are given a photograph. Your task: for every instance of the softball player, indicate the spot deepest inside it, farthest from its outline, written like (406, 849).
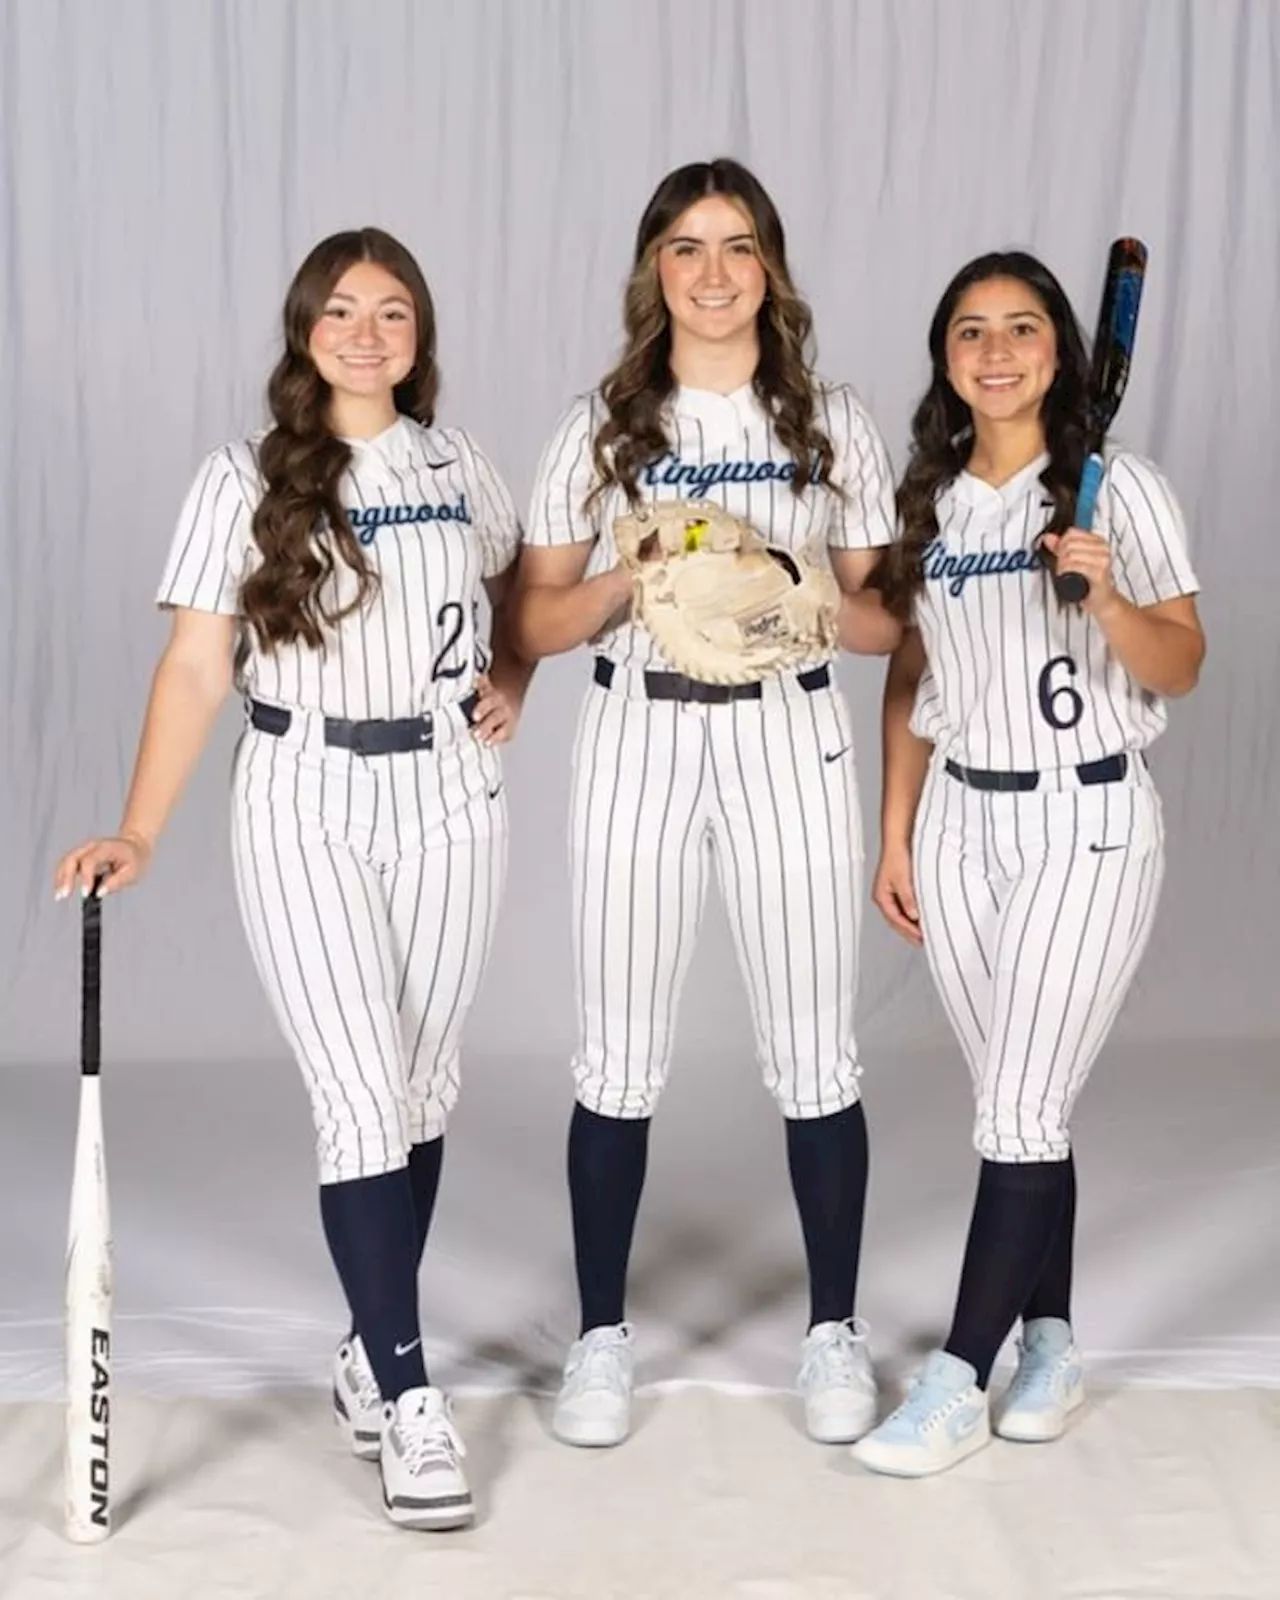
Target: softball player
(711, 398)
(341, 559)
(1022, 834)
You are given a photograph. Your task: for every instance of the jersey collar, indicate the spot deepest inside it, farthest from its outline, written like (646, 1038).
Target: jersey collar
(705, 405)
(395, 446)
(975, 492)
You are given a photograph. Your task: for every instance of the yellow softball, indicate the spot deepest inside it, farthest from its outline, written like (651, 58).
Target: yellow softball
(693, 534)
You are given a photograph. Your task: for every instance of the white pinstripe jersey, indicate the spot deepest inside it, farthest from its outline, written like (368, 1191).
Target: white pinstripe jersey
(434, 519)
(722, 448)
(1016, 680)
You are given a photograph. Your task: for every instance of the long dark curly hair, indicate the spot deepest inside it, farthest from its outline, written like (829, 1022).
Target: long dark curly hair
(302, 460)
(942, 427)
(634, 392)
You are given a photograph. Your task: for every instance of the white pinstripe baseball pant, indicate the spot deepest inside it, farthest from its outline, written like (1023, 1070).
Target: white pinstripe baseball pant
(368, 887)
(1036, 908)
(768, 789)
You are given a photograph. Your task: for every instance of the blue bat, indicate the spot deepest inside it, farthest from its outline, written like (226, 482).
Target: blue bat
(1112, 353)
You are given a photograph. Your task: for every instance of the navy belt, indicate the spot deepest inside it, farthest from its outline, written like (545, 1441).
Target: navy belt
(378, 736)
(675, 686)
(1111, 769)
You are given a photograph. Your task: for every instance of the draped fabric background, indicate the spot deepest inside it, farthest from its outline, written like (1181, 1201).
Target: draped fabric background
(166, 167)
(163, 168)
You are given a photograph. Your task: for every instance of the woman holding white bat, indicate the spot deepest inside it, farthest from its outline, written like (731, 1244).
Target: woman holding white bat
(1022, 839)
(333, 568)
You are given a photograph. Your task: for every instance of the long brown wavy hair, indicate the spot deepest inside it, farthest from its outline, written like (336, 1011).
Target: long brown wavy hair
(634, 392)
(942, 427)
(302, 461)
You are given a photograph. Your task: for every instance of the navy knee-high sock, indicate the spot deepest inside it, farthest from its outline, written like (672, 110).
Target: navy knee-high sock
(373, 1238)
(827, 1159)
(1051, 1297)
(1015, 1216)
(424, 1180)
(607, 1159)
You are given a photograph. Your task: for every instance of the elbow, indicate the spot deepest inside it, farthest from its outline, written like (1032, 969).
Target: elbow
(526, 638)
(1188, 677)
(200, 680)
(1183, 684)
(215, 685)
(542, 626)
(865, 627)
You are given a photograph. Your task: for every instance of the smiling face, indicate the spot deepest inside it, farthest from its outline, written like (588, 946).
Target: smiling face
(713, 280)
(364, 341)
(1001, 351)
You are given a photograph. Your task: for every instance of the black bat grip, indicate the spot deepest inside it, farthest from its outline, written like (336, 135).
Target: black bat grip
(91, 984)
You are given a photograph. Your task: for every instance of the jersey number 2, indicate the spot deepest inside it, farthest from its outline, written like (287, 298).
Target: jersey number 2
(449, 620)
(1061, 707)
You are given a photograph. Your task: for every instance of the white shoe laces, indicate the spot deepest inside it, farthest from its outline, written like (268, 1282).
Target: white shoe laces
(1035, 1379)
(429, 1438)
(831, 1356)
(601, 1363)
(928, 1402)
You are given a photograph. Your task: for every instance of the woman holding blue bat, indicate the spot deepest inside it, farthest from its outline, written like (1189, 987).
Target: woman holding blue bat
(1022, 840)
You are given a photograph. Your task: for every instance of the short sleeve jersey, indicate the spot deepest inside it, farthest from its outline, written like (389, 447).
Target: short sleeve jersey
(722, 448)
(434, 520)
(1015, 679)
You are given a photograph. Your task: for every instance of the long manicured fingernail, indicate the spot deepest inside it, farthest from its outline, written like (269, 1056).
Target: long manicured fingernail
(61, 894)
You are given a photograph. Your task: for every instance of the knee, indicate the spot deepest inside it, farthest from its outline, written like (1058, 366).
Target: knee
(617, 1097)
(1022, 1134)
(344, 1159)
(805, 1090)
(617, 1085)
(354, 1142)
(430, 1104)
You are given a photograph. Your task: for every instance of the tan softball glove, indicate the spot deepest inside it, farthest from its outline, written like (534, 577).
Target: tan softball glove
(721, 605)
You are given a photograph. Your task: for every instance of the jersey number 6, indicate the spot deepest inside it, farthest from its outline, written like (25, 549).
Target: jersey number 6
(1052, 707)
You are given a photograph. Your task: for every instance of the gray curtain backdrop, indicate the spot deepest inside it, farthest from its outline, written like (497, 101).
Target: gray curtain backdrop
(163, 168)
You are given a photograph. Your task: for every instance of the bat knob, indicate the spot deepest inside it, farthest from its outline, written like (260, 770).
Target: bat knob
(1071, 587)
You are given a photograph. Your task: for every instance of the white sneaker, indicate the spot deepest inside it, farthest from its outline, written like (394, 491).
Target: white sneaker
(1047, 1387)
(422, 1480)
(594, 1403)
(837, 1383)
(943, 1419)
(357, 1404)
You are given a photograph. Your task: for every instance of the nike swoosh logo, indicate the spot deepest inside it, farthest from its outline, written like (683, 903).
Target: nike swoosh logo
(1102, 849)
(834, 755)
(964, 1422)
(404, 1349)
(495, 792)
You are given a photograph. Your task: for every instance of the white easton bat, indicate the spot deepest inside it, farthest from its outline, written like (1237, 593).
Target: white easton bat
(87, 1471)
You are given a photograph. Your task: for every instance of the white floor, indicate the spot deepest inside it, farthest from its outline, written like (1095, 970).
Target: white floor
(226, 1314)
(1152, 1497)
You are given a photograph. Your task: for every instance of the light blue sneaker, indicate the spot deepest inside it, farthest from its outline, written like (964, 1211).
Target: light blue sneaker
(1047, 1387)
(943, 1419)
